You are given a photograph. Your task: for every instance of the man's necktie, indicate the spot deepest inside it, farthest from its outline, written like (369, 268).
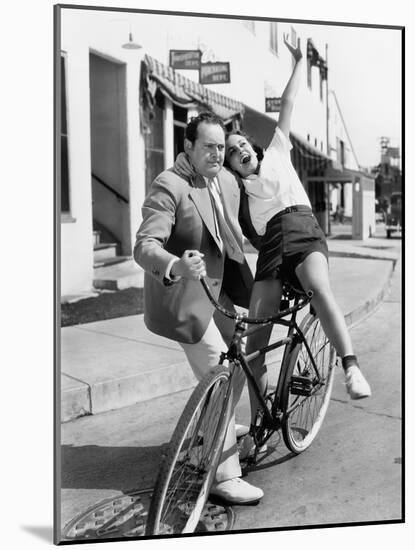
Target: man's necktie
(230, 244)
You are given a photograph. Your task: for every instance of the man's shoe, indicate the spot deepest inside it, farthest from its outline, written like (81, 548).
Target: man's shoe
(241, 430)
(356, 384)
(237, 491)
(246, 448)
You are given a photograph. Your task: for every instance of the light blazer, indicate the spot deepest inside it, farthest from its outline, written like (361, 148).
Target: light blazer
(177, 216)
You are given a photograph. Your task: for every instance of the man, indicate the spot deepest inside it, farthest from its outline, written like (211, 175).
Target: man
(190, 229)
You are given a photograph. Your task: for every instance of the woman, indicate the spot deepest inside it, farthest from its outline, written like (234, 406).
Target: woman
(293, 246)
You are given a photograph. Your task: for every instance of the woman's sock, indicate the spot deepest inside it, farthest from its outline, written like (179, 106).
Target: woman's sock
(349, 361)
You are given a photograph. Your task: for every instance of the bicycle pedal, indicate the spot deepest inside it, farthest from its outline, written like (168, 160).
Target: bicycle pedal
(301, 385)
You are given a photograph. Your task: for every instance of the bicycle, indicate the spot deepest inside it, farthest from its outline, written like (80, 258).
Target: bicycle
(297, 406)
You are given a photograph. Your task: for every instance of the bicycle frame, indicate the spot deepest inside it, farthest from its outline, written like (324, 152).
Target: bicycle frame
(235, 355)
(175, 492)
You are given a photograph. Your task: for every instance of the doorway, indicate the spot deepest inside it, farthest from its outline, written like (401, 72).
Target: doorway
(109, 158)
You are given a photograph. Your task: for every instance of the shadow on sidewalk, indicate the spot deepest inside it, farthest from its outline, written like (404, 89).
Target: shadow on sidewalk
(116, 468)
(108, 305)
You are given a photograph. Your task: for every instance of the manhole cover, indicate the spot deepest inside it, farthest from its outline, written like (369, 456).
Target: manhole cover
(125, 516)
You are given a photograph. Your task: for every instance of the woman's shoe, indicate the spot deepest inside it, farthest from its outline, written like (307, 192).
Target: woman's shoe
(356, 384)
(237, 491)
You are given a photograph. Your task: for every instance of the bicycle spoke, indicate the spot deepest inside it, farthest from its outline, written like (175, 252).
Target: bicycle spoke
(184, 496)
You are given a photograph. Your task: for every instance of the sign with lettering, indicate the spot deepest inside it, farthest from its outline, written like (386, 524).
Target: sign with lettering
(185, 59)
(215, 73)
(272, 104)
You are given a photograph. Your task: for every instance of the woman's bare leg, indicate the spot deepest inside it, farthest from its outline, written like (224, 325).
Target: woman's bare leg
(265, 301)
(313, 274)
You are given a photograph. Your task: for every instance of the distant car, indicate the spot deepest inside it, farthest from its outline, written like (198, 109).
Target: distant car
(394, 215)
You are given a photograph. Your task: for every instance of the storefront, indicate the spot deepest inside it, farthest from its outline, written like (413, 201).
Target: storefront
(126, 124)
(167, 100)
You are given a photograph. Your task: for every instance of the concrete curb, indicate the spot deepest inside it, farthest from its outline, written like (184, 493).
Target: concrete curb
(79, 398)
(360, 313)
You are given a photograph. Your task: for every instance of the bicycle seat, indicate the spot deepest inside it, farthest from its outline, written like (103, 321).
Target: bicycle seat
(290, 291)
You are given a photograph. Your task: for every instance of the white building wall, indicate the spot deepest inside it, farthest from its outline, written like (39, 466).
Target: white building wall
(84, 32)
(348, 199)
(136, 153)
(337, 130)
(76, 232)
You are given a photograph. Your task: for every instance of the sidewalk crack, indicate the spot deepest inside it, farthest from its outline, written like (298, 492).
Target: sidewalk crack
(128, 338)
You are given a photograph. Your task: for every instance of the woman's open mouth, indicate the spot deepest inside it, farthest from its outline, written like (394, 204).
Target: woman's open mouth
(245, 158)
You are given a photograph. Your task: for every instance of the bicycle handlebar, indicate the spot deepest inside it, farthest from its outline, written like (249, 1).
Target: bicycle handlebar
(303, 301)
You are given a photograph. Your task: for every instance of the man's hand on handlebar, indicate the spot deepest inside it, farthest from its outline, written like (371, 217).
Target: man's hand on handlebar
(190, 265)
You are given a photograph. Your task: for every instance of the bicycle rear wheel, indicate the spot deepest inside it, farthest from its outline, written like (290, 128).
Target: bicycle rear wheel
(306, 391)
(187, 472)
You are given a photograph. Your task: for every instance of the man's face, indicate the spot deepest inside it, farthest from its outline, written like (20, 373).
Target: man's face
(207, 152)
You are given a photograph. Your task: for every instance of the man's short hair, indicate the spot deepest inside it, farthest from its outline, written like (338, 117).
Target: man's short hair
(193, 124)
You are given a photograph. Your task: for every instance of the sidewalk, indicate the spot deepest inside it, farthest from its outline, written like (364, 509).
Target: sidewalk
(115, 363)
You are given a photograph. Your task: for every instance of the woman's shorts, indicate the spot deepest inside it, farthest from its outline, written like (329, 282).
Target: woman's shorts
(290, 236)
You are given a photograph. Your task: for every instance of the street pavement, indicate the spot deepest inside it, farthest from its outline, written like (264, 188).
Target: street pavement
(353, 471)
(115, 363)
(350, 474)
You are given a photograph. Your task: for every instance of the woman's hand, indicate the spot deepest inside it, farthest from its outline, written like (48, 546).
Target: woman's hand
(290, 92)
(295, 52)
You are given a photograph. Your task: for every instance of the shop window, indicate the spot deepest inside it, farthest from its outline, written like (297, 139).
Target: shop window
(154, 143)
(340, 152)
(273, 37)
(64, 173)
(179, 123)
(230, 127)
(309, 76)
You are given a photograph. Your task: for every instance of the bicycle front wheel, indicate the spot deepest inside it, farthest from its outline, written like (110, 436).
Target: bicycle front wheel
(187, 472)
(306, 390)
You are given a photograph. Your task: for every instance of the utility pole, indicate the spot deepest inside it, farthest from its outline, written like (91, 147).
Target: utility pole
(327, 138)
(327, 101)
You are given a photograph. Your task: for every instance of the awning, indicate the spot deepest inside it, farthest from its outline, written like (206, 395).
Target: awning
(308, 158)
(345, 175)
(320, 166)
(306, 149)
(181, 91)
(258, 126)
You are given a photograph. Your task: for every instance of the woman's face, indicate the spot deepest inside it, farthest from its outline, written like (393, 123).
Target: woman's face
(240, 155)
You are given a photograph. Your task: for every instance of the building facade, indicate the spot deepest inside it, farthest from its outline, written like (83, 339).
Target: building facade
(123, 110)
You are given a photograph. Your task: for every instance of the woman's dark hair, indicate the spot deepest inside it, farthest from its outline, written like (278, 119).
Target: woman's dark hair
(193, 124)
(258, 150)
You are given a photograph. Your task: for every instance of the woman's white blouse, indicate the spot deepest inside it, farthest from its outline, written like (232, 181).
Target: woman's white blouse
(277, 185)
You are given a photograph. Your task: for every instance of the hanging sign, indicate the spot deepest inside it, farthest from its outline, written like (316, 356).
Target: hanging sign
(185, 59)
(272, 104)
(215, 73)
